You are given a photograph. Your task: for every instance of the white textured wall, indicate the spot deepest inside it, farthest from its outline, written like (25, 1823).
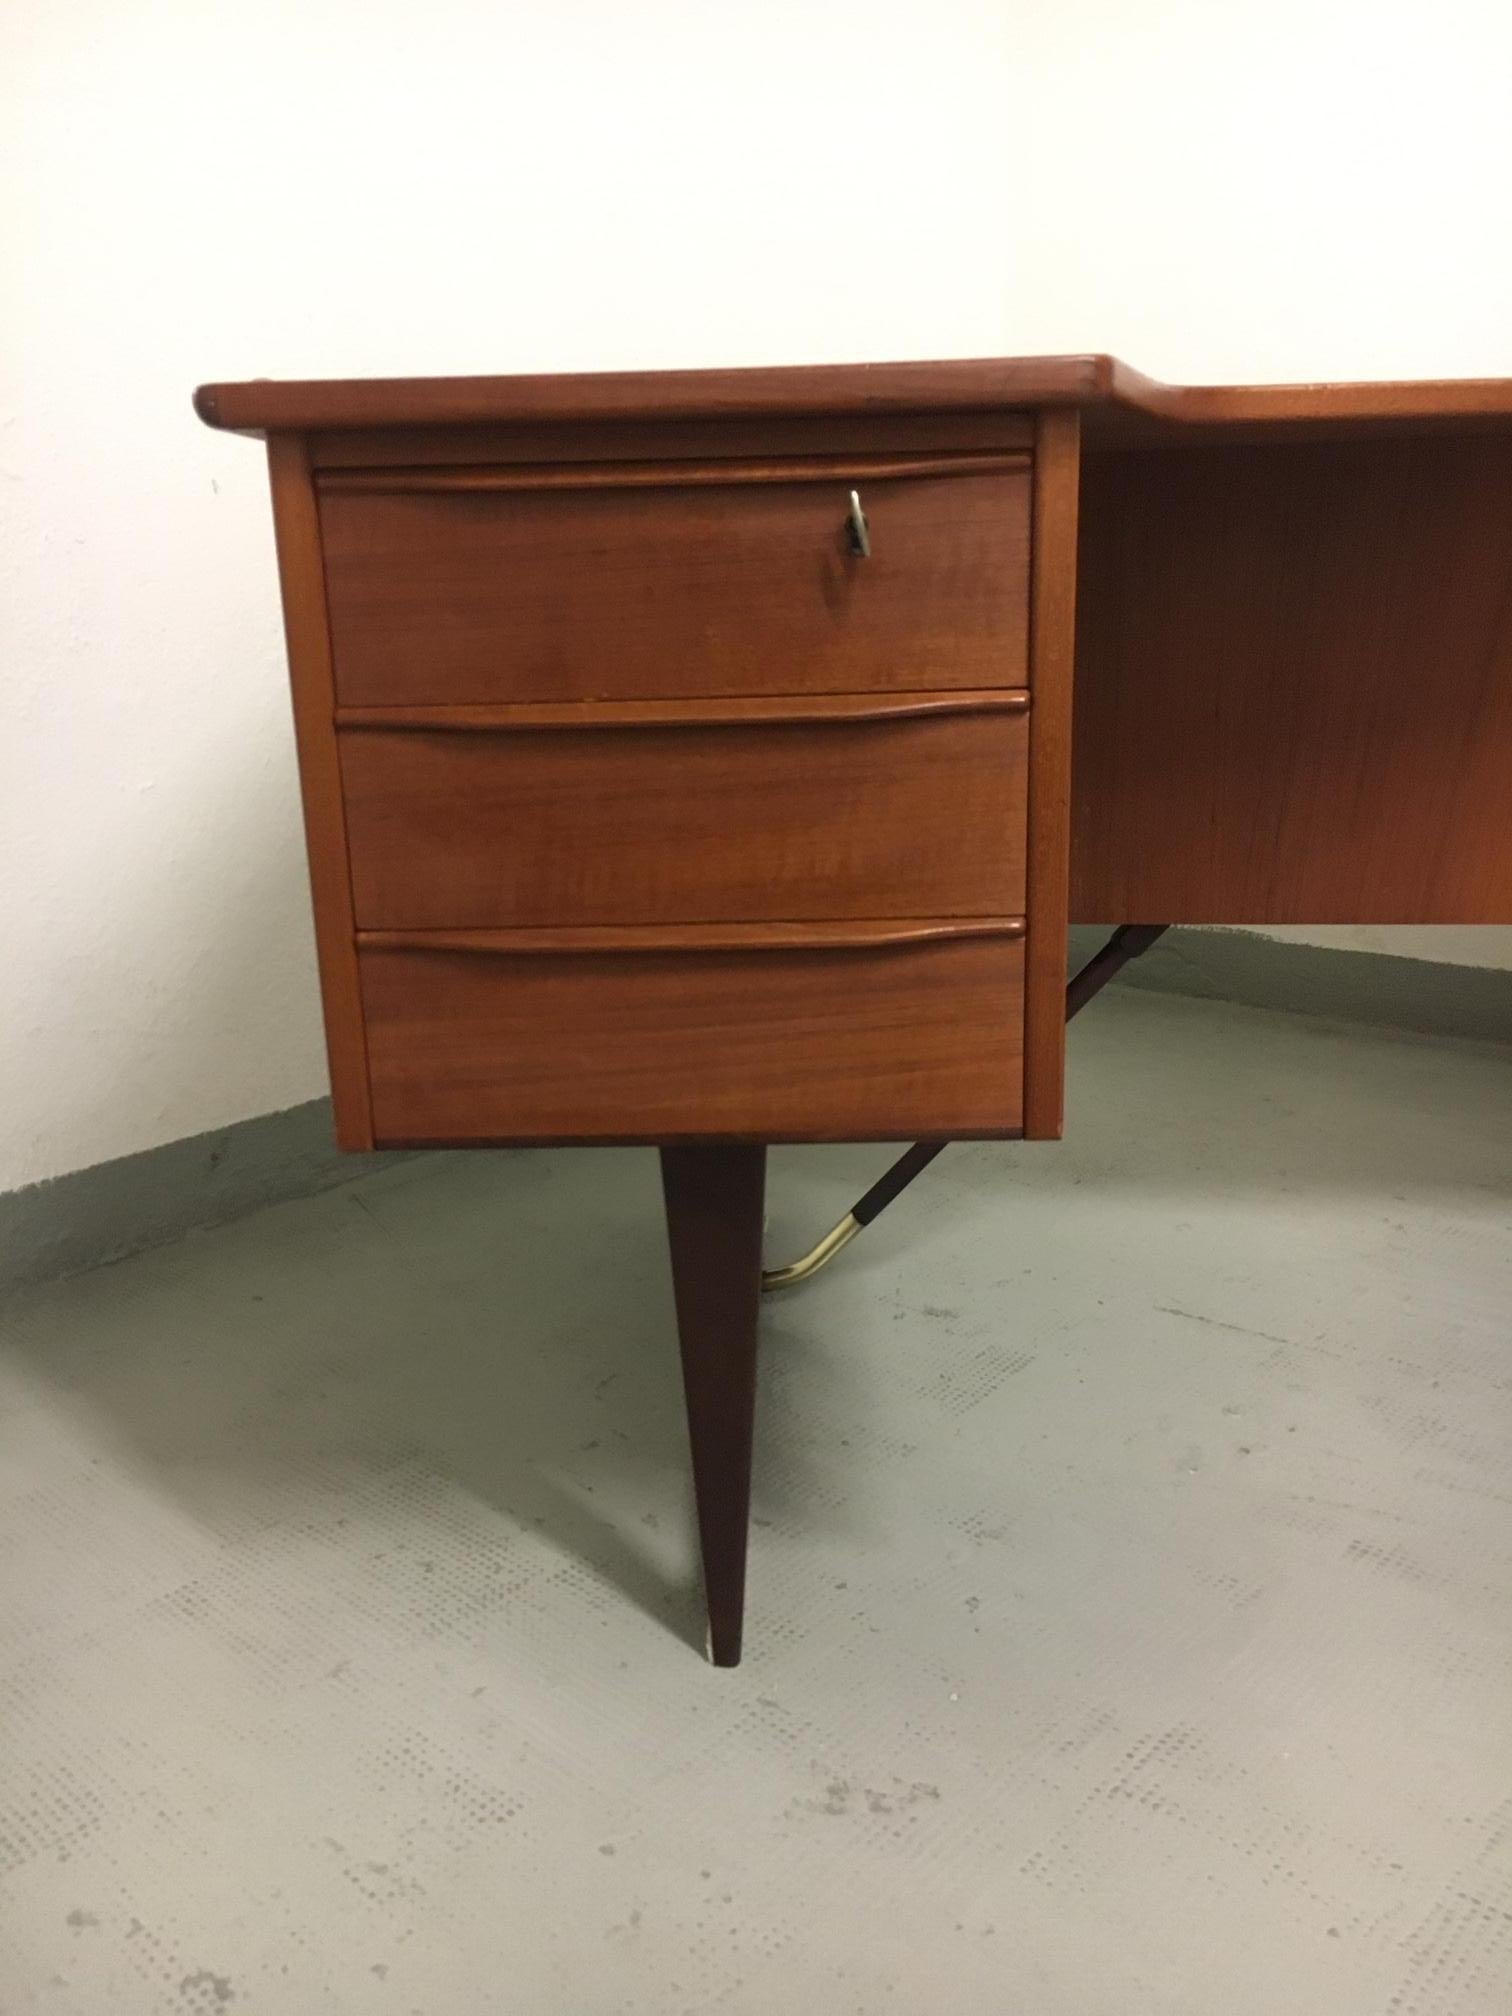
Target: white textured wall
(195, 189)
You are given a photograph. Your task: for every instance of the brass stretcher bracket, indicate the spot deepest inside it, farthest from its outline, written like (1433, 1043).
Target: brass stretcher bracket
(1126, 943)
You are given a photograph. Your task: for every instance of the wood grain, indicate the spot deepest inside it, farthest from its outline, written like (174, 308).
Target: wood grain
(1057, 465)
(585, 594)
(913, 817)
(809, 1045)
(1294, 684)
(1105, 389)
(1331, 405)
(980, 384)
(297, 535)
(714, 1200)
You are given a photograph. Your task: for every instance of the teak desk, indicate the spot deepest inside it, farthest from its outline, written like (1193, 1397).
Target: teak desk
(687, 757)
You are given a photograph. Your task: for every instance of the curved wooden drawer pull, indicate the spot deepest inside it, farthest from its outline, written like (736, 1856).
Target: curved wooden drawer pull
(759, 710)
(731, 474)
(885, 934)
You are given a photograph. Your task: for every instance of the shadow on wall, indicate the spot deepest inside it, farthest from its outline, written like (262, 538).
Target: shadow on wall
(198, 988)
(199, 976)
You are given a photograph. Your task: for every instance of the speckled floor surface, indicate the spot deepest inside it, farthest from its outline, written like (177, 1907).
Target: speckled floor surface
(1130, 1619)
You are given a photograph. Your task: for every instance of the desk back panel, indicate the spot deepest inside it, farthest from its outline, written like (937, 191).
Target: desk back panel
(1294, 682)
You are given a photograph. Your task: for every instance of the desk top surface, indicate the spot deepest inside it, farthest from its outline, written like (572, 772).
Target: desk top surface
(1118, 403)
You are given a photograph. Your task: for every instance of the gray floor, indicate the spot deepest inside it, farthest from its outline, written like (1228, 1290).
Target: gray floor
(1130, 1613)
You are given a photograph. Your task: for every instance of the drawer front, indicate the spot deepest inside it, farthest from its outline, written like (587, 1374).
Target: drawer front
(913, 816)
(477, 594)
(881, 1041)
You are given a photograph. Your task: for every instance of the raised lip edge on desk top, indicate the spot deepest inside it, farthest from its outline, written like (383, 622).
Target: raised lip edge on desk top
(963, 385)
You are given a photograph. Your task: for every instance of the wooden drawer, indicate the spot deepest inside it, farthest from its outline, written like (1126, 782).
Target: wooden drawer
(749, 1032)
(912, 807)
(664, 580)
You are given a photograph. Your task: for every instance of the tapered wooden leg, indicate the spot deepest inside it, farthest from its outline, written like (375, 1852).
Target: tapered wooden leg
(714, 1206)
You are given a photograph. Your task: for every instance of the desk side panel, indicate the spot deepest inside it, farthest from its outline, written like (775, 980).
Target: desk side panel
(1057, 464)
(1294, 683)
(307, 631)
